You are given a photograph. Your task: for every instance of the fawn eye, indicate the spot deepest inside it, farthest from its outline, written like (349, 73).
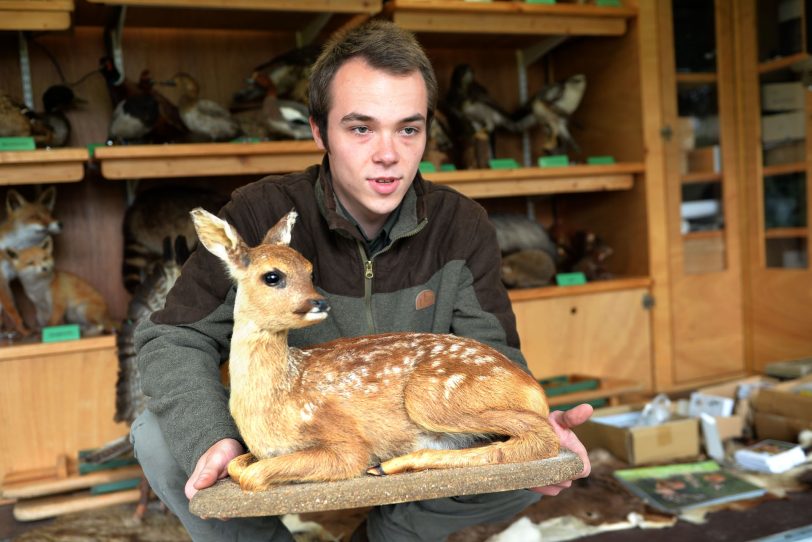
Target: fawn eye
(274, 278)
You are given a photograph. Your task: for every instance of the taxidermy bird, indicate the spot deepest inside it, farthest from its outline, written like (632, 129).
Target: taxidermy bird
(168, 126)
(134, 112)
(289, 72)
(551, 108)
(285, 119)
(473, 115)
(205, 119)
(17, 120)
(439, 147)
(55, 101)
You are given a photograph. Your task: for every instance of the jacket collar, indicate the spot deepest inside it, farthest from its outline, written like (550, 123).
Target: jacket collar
(412, 209)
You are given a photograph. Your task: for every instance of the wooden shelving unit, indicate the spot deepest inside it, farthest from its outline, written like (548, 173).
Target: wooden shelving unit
(449, 16)
(335, 6)
(696, 78)
(205, 159)
(781, 63)
(490, 183)
(35, 14)
(786, 233)
(612, 285)
(42, 166)
(701, 177)
(784, 169)
(27, 348)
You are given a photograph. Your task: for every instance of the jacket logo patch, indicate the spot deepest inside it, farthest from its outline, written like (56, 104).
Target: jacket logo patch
(424, 300)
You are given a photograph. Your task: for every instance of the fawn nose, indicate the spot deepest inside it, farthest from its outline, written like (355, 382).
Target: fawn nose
(320, 305)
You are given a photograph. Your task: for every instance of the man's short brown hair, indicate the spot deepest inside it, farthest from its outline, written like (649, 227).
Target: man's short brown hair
(384, 46)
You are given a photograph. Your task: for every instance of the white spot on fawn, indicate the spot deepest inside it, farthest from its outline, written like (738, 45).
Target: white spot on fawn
(452, 382)
(307, 412)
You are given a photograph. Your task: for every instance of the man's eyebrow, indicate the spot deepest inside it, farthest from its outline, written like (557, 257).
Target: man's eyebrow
(360, 117)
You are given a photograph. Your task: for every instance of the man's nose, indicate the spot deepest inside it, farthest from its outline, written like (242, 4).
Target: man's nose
(385, 151)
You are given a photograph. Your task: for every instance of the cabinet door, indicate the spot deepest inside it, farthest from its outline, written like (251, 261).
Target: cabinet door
(776, 52)
(598, 334)
(704, 268)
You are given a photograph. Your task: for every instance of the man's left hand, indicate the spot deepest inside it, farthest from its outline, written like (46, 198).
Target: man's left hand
(562, 422)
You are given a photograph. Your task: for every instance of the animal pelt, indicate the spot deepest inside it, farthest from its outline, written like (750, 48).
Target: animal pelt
(583, 251)
(516, 232)
(157, 214)
(529, 268)
(528, 253)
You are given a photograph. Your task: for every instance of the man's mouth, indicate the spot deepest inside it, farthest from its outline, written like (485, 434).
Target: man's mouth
(384, 180)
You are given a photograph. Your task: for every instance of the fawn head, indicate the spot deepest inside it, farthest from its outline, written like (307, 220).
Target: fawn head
(274, 287)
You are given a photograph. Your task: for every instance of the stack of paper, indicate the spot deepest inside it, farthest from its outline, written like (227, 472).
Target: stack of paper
(771, 456)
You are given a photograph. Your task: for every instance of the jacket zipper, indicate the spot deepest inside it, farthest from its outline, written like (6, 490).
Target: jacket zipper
(369, 272)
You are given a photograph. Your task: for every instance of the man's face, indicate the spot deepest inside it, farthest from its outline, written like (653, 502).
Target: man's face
(376, 131)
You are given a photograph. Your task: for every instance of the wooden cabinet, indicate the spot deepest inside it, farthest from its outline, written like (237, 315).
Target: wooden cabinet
(56, 399)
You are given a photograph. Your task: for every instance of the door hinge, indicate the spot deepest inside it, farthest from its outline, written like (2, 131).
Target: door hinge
(666, 132)
(648, 301)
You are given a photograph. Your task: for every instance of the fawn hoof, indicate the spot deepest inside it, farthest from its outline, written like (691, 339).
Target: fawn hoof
(377, 470)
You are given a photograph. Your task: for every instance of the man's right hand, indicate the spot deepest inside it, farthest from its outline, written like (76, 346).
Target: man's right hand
(213, 465)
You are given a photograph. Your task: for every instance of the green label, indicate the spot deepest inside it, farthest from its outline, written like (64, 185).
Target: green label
(448, 167)
(608, 3)
(556, 160)
(503, 163)
(17, 144)
(540, 1)
(570, 279)
(68, 332)
(426, 167)
(600, 160)
(120, 485)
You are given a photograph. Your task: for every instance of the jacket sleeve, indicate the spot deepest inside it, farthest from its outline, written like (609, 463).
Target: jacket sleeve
(180, 350)
(483, 310)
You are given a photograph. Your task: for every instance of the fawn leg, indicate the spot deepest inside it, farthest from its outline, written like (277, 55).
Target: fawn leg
(237, 465)
(318, 464)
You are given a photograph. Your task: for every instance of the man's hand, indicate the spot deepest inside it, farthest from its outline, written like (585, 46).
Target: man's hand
(562, 422)
(212, 465)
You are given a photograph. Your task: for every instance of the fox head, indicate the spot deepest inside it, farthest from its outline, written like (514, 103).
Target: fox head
(33, 262)
(29, 222)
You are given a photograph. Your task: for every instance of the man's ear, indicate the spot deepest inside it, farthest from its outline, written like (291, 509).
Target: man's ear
(317, 134)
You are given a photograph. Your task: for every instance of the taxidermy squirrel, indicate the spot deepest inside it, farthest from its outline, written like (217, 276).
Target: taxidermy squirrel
(27, 223)
(58, 296)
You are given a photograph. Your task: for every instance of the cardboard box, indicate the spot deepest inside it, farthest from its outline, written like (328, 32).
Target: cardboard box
(783, 96)
(789, 126)
(779, 427)
(791, 153)
(676, 439)
(739, 393)
(782, 400)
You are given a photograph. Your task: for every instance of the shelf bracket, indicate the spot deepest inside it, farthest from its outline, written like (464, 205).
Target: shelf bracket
(534, 52)
(25, 71)
(306, 35)
(113, 35)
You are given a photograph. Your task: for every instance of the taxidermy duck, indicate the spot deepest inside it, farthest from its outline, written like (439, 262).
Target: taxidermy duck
(205, 119)
(56, 100)
(551, 108)
(169, 126)
(134, 112)
(440, 147)
(286, 119)
(289, 72)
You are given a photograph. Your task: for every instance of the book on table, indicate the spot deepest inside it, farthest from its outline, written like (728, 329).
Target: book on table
(676, 488)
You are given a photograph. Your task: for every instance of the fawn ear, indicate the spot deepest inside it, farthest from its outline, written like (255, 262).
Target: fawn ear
(220, 238)
(280, 233)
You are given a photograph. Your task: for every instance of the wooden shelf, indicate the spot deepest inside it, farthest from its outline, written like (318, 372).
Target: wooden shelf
(517, 18)
(546, 292)
(701, 177)
(205, 159)
(784, 169)
(706, 234)
(42, 166)
(781, 63)
(35, 14)
(30, 348)
(325, 6)
(609, 388)
(487, 183)
(786, 233)
(697, 78)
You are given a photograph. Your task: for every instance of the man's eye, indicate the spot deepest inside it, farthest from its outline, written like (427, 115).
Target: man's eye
(410, 131)
(361, 130)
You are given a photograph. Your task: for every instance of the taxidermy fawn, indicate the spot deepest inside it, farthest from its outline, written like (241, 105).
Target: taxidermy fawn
(379, 404)
(27, 223)
(58, 295)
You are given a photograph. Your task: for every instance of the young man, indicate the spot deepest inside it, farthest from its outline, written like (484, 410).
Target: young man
(390, 251)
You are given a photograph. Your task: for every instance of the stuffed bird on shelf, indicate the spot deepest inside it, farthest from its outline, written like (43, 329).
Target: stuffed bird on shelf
(206, 120)
(551, 108)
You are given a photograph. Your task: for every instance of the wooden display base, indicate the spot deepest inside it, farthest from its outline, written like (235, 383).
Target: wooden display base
(226, 500)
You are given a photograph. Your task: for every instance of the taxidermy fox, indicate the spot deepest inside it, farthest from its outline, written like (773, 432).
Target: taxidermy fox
(27, 223)
(380, 404)
(58, 296)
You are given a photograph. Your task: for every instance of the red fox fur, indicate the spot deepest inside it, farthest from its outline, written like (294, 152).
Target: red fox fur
(58, 296)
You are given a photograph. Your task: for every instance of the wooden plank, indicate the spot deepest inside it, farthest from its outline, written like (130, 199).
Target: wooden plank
(784, 169)
(781, 63)
(548, 292)
(33, 20)
(42, 166)
(43, 156)
(33, 349)
(701, 177)
(608, 388)
(226, 500)
(327, 6)
(786, 233)
(48, 507)
(39, 488)
(696, 78)
(516, 18)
